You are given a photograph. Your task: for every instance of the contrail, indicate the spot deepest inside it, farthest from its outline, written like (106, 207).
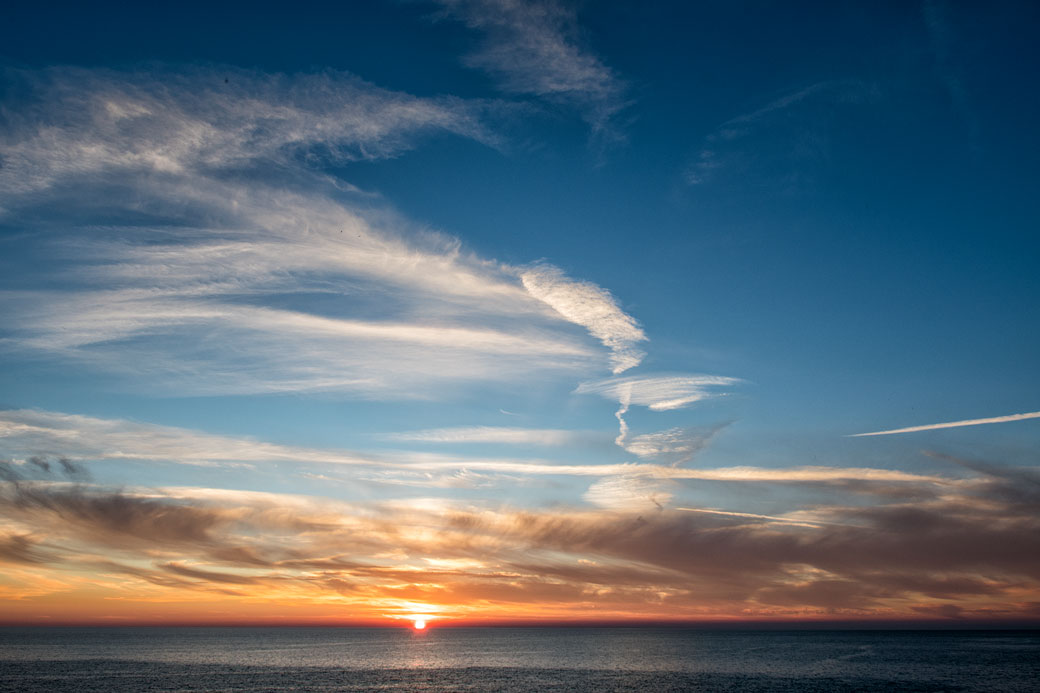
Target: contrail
(771, 518)
(953, 424)
(622, 424)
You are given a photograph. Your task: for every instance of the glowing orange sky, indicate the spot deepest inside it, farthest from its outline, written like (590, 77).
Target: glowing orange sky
(87, 555)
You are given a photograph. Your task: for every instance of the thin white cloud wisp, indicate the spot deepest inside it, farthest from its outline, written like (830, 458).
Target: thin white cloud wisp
(592, 307)
(490, 434)
(658, 393)
(953, 424)
(531, 47)
(234, 264)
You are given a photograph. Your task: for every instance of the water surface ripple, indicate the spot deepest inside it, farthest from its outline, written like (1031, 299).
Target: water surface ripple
(514, 659)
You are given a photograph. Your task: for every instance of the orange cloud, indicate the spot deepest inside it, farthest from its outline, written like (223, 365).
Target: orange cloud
(84, 553)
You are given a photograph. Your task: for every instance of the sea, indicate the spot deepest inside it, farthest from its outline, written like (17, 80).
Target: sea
(85, 660)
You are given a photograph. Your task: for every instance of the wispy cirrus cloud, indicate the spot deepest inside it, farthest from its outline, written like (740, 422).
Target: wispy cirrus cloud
(630, 493)
(223, 260)
(592, 307)
(953, 424)
(491, 434)
(207, 346)
(944, 41)
(794, 519)
(206, 119)
(534, 48)
(657, 392)
(673, 446)
(780, 144)
(28, 433)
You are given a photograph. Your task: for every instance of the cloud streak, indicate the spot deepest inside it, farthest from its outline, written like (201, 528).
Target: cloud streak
(592, 307)
(965, 545)
(33, 432)
(969, 542)
(167, 121)
(532, 48)
(25, 433)
(491, 434)
(233, 264)
(674, 446)
(746, 147)
(659, 392)
(631, 493)
(953, 424)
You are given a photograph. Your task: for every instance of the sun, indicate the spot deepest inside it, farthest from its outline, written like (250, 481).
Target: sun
(419, 624)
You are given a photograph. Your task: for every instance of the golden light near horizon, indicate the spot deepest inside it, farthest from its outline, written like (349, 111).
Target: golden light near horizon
(420, 624)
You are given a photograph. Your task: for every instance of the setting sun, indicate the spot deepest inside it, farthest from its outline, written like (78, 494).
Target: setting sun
(420, 624)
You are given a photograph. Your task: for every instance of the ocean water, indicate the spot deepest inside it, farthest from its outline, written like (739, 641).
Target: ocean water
(514, 659)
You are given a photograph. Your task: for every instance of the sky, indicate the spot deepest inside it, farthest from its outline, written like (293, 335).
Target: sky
(489, 311)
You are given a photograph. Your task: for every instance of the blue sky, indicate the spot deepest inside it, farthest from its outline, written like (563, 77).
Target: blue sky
(504, 257)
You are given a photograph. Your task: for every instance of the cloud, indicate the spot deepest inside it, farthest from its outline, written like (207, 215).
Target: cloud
(592, 307)
(491, 434)
(944, 41)
(626, 401)
(965, 542)
(659, 392)
(796, 521)
(951, 611)
(459, 479)
(1014, 486)
(532, 48)
(17, 548)
(223, 260)
(163, 120)
(209, 575)
(210, 346)
(38, 466)
(780, 144)
(113, 519)
(631, 493)
(953, 424)
(673, 446)
(32, 432)
(813, 474)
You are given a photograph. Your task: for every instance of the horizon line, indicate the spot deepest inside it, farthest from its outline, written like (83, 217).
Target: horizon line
(760, 624)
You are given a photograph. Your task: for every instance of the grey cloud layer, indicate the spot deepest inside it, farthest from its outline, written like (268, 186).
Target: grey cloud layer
(972, 545)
